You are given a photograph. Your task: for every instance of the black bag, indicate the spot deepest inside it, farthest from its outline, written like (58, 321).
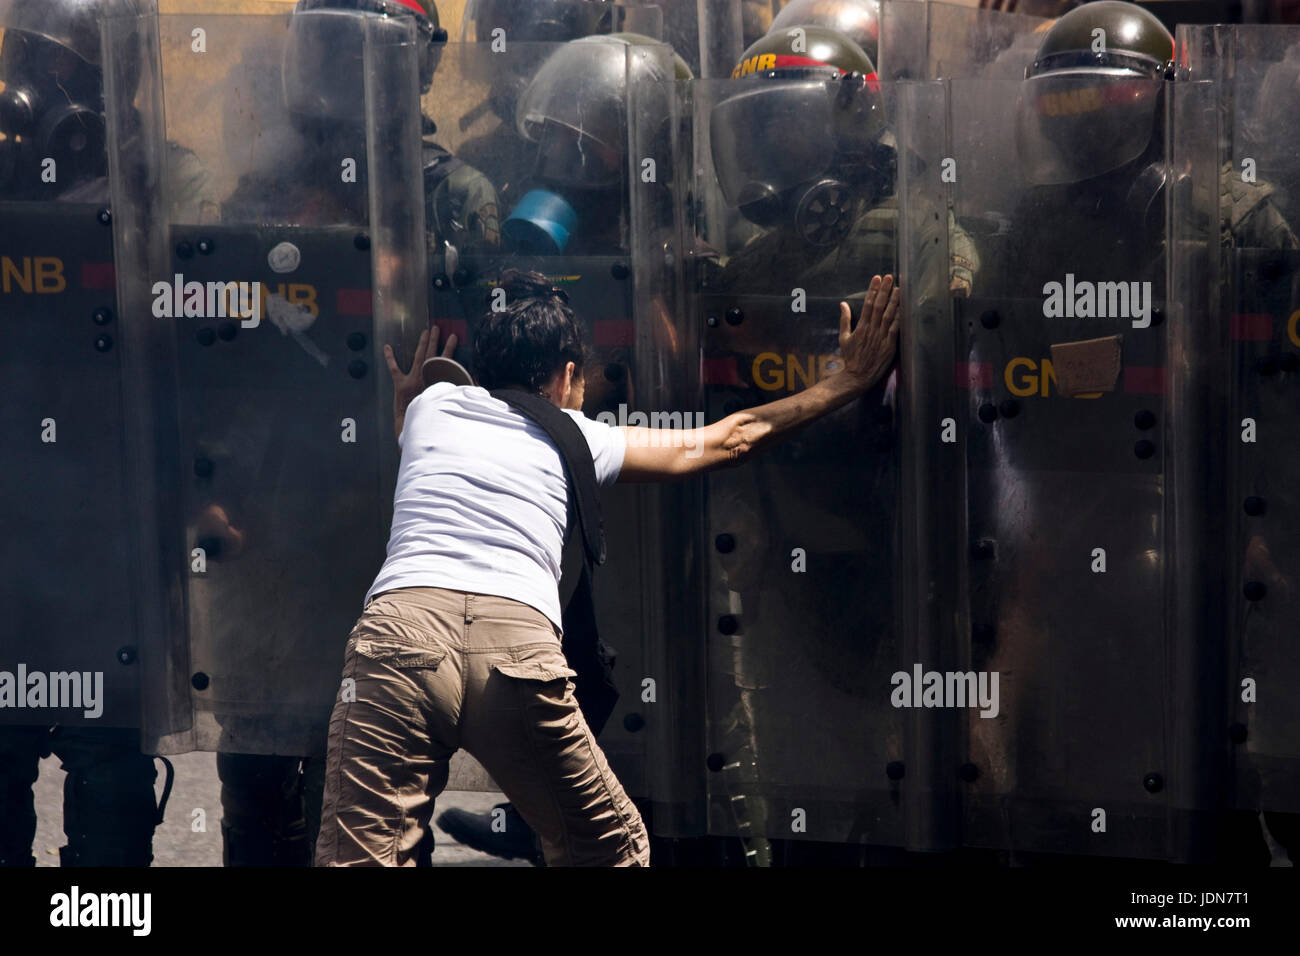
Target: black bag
(586, 653)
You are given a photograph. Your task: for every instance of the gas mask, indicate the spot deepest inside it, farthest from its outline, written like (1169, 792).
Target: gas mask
(577, 187)
(575, 110)
(51, 109)
(770, 139)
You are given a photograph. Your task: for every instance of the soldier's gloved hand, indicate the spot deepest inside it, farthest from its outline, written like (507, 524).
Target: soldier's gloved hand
(868, 347)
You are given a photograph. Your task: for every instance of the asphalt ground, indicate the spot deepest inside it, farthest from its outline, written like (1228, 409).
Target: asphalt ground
(181, 842)
(187, 838)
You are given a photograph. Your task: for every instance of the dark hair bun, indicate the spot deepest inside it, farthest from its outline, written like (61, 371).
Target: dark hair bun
(520, 284)
(528, 341)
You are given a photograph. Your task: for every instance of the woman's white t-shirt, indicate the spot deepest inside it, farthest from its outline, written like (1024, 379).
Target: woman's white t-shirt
(482, 498)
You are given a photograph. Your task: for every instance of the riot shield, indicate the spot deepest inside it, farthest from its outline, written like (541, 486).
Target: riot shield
(809, 579)
(546, 22)
(270, 307)
(585, 166)
(798, 569)
(521, 34)
(78, 618)
(1245, 176)
(923, 40)
(906, 39)
(1041, 403)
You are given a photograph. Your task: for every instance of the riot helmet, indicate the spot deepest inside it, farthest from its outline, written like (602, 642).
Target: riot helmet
(324, 65)
(52, 106)
(575, 110)
(797, 140)
(1091, 100)
(859, 20)
(534, 24)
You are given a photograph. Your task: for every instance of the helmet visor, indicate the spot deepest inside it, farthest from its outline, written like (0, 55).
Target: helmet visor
(569, 157)
(581, 85)
(770, 134)
(74, 24)
(1077, 125)
(574, 110)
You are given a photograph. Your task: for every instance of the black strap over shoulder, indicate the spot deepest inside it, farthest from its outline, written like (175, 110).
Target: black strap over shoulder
(584, 491)
(586, 653)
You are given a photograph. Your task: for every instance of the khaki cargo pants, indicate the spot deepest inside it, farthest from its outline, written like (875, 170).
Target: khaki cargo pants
(436, 670)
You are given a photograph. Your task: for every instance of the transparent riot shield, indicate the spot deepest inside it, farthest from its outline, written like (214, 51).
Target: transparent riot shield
(1041, 403)
(906, 39)
(1244, 175)
(582, 157)
(810, 578)
(78, 619)
(923, 40)
(546, 22)
(799, 564)
(521, 34)
(271, 294)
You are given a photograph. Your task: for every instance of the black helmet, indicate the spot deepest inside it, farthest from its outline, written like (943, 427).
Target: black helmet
(1106, 35)
(1091, 97)
(52, 106)
(859, 20)
(575, 110)
(798, 137)
(537, 23)
(323, 61)
(575, 107)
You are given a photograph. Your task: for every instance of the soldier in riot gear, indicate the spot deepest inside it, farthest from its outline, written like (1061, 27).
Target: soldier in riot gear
(1070, 133)
(541, 22)
(572, 217)
(1083, 203)
(271, 803)
(819, 207)
(52, 103)
(530, 30)
(808, 197)
(574, 112)
(461, 205)
(801, 149)
(1253, 269)
(54, 168)
(1085, 198)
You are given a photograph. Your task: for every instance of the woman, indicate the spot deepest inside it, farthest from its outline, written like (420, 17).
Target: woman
(459, 644)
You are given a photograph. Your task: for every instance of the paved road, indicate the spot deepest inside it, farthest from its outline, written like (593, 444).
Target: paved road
(190, 838)
(180, 841)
